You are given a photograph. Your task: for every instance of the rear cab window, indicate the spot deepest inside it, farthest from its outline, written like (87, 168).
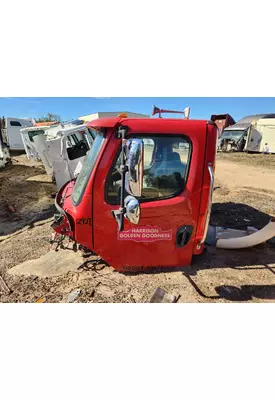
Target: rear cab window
(31, 134)
(77, 145)
(166, 164)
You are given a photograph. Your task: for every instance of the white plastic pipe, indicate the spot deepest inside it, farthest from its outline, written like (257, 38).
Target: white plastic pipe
(258, 237)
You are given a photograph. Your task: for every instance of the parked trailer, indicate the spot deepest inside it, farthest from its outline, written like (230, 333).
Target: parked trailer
(253, 133)
(261, 136)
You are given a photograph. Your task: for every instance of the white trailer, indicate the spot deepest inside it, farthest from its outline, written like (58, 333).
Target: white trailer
(11, 131)
(254, 133)
(261, 136)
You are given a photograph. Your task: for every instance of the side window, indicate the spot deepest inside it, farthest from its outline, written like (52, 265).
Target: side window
(166, 161)
(15, 123)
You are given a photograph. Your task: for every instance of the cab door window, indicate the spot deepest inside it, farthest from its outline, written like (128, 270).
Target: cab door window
(166, 161)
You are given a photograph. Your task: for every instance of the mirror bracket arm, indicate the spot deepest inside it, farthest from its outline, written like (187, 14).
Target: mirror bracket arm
(119, 217)
(119, 214)
(121, 132)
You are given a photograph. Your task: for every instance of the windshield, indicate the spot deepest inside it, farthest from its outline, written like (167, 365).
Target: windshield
(236, 134)
(86, 171)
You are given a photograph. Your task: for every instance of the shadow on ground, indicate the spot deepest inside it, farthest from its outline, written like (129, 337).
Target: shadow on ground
(234, 293)
(238, 216)
(258, 258)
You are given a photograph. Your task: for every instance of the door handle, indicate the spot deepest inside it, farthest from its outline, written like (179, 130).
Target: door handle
(183, 235)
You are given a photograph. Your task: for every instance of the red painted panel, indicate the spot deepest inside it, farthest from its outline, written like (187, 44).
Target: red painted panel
(167, 215)
(152, 243)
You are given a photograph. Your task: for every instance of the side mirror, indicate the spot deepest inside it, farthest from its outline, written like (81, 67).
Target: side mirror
(132, 209)
(131, 179)
(134, 175)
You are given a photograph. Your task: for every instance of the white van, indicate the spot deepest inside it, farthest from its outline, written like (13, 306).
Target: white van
(11, 131)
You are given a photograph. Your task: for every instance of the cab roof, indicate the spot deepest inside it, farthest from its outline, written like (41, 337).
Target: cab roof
(34, 128)
(165, 123)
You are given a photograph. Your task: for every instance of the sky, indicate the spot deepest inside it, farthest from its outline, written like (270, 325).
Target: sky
(74, 107)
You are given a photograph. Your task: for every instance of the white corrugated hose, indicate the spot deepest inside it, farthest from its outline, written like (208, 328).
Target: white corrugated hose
(258, 237)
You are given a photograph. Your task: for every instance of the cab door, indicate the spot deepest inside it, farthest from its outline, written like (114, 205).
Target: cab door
(171, 202)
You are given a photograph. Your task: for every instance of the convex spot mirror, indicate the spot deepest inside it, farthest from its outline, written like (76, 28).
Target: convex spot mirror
(134, 175)
(132, 209)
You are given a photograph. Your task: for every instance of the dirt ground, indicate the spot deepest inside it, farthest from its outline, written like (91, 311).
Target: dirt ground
(26, 188)
(244, 196)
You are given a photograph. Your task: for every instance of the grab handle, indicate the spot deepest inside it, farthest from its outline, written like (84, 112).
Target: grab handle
(211, 188)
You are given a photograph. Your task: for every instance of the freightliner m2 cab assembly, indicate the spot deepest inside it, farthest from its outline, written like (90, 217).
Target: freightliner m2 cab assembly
(143, 196)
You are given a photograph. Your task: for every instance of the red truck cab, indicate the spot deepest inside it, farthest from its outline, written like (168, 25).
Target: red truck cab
(143, 196)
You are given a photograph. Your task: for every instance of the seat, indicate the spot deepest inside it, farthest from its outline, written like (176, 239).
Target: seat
(171, 165)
